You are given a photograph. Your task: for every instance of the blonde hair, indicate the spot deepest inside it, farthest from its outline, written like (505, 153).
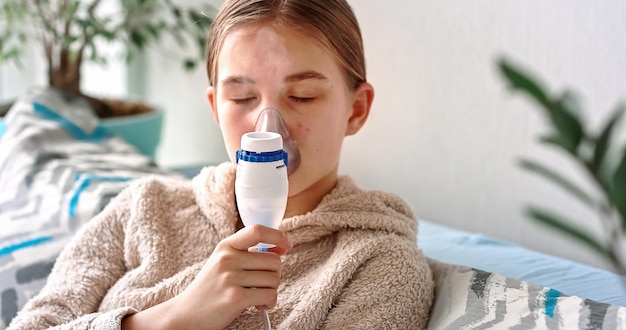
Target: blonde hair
(330, 22)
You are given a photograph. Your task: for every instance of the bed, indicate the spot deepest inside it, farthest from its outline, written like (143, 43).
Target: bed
(58, 168)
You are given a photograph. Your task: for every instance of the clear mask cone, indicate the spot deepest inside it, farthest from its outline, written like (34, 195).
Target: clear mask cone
(270, 120)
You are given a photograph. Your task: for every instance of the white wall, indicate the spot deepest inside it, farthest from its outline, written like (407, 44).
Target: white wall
(447, 132)
(190, 134)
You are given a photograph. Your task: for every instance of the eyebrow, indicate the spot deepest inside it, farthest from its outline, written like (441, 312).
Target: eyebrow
(305, 75)
(237, 80)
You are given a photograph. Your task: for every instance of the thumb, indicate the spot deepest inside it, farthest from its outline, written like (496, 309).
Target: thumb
(255, 234)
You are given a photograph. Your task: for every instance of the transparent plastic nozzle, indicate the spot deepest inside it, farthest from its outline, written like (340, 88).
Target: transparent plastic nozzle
(270, 120)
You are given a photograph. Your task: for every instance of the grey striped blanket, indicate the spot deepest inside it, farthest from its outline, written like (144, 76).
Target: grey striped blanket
(58, 168)
(468, 298)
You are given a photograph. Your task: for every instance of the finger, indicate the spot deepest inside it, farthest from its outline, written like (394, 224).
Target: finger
(255, 234)
(260, 280)
(261, 297)
(260, 261)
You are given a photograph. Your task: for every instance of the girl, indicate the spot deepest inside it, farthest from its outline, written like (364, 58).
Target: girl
(173, 254)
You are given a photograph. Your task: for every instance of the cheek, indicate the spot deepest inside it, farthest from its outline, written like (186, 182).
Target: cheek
(301, 131)
(317, 139)
(233, 127)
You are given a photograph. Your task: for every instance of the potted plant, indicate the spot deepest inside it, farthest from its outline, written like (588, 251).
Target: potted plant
(595, 153)
(72, 32)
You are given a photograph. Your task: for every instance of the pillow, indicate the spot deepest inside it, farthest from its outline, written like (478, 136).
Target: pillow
(467, 298)
(58, 168)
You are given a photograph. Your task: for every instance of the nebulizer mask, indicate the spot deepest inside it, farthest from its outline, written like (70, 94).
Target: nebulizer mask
(267, 156)
(270, 120)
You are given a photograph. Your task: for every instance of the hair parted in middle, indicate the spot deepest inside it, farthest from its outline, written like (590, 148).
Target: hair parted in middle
(331, 23)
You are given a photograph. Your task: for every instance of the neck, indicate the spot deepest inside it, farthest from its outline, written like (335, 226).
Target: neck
(307, 200)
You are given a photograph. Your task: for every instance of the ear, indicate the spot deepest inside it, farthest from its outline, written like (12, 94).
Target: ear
(361, 104)
(210, 95)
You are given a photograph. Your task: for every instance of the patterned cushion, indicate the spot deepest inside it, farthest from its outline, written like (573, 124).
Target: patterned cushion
(58, 168)
(468, 298)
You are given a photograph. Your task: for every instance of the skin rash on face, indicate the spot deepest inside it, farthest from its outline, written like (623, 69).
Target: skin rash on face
(265, 66)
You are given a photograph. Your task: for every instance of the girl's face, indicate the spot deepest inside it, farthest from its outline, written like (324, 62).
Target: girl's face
(263, 67)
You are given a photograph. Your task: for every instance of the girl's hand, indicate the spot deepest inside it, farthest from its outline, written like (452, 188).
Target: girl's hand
(234, 278)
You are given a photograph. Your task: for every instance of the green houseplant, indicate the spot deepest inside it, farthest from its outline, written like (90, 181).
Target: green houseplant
(70, 33)
(595, 153)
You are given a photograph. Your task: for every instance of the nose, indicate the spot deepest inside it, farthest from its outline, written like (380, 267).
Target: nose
(259, 108)
(271, 120)
(267, 102)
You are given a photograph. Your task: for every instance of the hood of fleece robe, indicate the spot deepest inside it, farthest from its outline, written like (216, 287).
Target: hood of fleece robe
(322, 283)
(341, 209)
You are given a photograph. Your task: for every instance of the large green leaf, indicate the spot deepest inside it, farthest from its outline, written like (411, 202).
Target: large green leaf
(602, 143)
(519, 80)
(572, 123)
(559, 180)
(562, 111)
(618, 194)
(567, 125)
(569, 230)
(556, 140)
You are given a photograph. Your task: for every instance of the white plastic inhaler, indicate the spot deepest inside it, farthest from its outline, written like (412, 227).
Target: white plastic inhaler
(261, 184)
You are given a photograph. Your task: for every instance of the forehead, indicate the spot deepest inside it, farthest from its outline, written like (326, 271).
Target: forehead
(264, 48)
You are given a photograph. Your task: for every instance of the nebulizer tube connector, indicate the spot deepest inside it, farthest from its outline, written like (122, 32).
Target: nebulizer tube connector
(261, 184)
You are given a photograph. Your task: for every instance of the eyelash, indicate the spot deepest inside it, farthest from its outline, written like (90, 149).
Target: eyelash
(302, 99)
(293, 98)
(242, 101)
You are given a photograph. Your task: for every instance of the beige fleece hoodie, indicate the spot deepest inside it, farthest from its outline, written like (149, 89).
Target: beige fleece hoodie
(355, 263)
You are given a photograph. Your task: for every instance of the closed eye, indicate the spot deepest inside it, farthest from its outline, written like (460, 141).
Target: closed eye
(302, 99)
(243, 101)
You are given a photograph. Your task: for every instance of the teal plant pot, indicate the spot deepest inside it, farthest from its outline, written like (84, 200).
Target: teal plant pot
(142, 131)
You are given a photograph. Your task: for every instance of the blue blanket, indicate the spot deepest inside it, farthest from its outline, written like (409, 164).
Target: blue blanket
(502, 257)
